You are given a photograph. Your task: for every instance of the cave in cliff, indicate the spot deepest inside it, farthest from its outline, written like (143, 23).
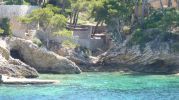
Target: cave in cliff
(16, 54)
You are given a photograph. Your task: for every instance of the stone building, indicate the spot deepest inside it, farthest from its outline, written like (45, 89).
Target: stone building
(85, 37)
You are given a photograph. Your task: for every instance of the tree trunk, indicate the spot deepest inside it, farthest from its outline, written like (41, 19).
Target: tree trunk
(71, 19)
(117, 28)
(102, 22)
(96, 28)
(47, 31)
(63, 6)
(143, 11)
(178, 4)
(47, 40)
(169, 3)
(137, 10)
(47, 43)
(74, 17)
(76, 20)
(161, 4)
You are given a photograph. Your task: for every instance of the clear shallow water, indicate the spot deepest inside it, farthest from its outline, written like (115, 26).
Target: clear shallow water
(97, 86)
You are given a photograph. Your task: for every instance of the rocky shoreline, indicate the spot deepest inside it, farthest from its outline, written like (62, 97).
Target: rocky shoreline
(153, 59)
(41, 59)
(14, 67)
(31, 59)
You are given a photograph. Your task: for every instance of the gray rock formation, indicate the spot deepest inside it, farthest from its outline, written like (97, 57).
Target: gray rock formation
(156, 57)
(79, 55)
(14, 67)
(41, 59)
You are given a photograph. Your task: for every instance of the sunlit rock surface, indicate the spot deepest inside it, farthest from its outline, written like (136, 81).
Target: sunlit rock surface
(14, 67)
(154, 57)
(41, 59)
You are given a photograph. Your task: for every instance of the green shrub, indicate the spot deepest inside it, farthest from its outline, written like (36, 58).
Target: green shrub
(37, 41)
(6, 27)
(64, 33)
(1, 31)
(85, 50)
(162, 19)
(141, 37)
(126, 29)
(156, 26)
(69, 44)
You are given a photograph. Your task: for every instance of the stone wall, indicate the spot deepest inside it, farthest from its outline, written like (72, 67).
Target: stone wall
(13, 12)
(82, 33)
(84, 39)
(81, 36)
(89, 43)
(52, 37)
(97, 43)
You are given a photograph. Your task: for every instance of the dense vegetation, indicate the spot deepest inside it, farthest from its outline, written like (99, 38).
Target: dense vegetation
(126, 13)
(47, 19)
(5, 28)
(123, 17)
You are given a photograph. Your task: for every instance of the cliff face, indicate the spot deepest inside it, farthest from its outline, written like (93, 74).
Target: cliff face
(154, 57)
(41, 59)
(17, 50)
(14, 67)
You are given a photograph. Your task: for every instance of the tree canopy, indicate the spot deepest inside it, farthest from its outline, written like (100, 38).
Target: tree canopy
(47, 19)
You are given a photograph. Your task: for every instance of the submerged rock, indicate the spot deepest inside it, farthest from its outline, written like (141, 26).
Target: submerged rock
(14, 67)
(41, 59)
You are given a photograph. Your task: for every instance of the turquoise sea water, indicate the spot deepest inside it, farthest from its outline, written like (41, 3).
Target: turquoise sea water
(97, 86)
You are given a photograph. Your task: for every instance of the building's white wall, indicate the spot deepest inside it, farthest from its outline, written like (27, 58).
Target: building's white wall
(84, 43)
(13, 12)
(97, 43)
(83, 33)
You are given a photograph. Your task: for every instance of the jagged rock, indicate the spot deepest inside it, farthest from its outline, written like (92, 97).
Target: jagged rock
(3, 50)
(41, 59)
(155, 57)
(79, 55)
(14, 67)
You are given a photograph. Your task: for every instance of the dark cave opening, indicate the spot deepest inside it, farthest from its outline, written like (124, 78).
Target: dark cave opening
(16, 54)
